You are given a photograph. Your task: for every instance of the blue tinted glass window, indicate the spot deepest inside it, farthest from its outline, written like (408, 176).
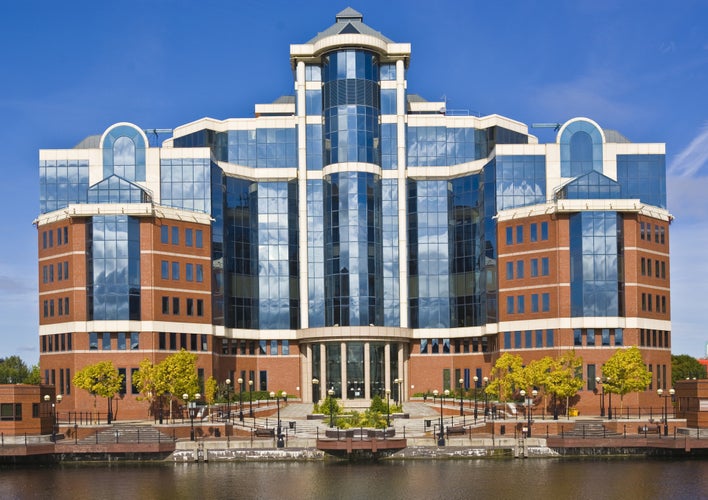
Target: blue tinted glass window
(313, 146)
(165, 270)
(388, 102)
(116, 190)
(539, 338)
(534, 302)
(544, 231)
(388, 72)
(534, 268)
(510, 270)
(581, 149)
(520, 269)
(619, 337)
(62, 182)
(577, 337)
(313, 102)
(175, 270)
(533, 232)
(185, 183)
(521, 181)
(590, 336)
(519, 234)
(509, 235)
(510, 305)
(545, 266)
(517, 340)
(528, 336)
(545, 302)
(549, 338)
(175, 235)
(389, 146)
(164, 234)
(643, 177)
(520, 304)
(189, 272)
(199, 237)
(188, 237)
(200, 273)
(595, 238)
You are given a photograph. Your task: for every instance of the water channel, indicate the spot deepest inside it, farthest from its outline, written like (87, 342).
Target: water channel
(526, 479)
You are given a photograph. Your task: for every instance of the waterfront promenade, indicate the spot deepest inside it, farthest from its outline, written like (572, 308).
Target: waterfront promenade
(219, 438)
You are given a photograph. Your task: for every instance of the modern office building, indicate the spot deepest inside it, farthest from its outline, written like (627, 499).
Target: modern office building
(352, 237)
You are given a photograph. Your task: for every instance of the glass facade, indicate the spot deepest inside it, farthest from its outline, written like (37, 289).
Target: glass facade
(113, 265)
(124, 153)
(580, 149)
(353, 249)
(62, 182)
(351, 107)
(429, 256)
(521, 181)
(643, 177)
(117, 190)
(185, 183)
(596, 283)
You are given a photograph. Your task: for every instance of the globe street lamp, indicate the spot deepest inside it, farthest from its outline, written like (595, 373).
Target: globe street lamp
(461, 381)
(54, 414)
(441, 435)
(228, 399)
(486, 383)
(284, 395)
(598, 381)
(528, 402)
(476, 380)
(250, 399)
(671, 393)
(240, 399)
(388, 408)
(315, 390)
(192, 408)
(331, 406)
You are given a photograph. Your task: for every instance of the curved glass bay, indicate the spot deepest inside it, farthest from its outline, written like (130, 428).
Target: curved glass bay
(445, 479)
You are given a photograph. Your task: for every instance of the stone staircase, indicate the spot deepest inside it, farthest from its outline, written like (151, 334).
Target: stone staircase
(589, 429)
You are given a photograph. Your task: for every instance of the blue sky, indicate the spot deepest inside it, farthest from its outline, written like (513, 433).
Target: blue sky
(71, 69)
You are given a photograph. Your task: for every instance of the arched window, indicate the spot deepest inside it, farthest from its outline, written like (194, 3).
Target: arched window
(581, 148)
(124, 148)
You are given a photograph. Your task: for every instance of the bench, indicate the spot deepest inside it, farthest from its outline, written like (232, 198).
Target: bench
(265, 432)
(458, 429)
(649, 429)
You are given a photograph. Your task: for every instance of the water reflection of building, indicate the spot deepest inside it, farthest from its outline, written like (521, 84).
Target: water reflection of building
(352, 233)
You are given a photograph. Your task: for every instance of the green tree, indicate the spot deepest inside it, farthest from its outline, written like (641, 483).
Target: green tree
(14, 371)
(684, 367)
(174, 376)
(536, 375)
(210, 388)
(151, 384)
(625, 372)
(100, 379)
(564, 378)
(506, 375)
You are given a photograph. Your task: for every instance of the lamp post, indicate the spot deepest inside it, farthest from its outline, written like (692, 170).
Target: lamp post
(441, 435)
(54, 415)
(609, 408)
(486, 382)
(397, 385)
(671, 393)
(192, 408)
(250, 398)
(388, 408)
(315, 390)
(240, 399)
(529, 408)
(598, 381)
(280, 442)
(462, 410)
(331, 406)
(476, 380)
(228, 399)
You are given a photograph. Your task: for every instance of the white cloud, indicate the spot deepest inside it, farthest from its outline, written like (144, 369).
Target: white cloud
(694, 156)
